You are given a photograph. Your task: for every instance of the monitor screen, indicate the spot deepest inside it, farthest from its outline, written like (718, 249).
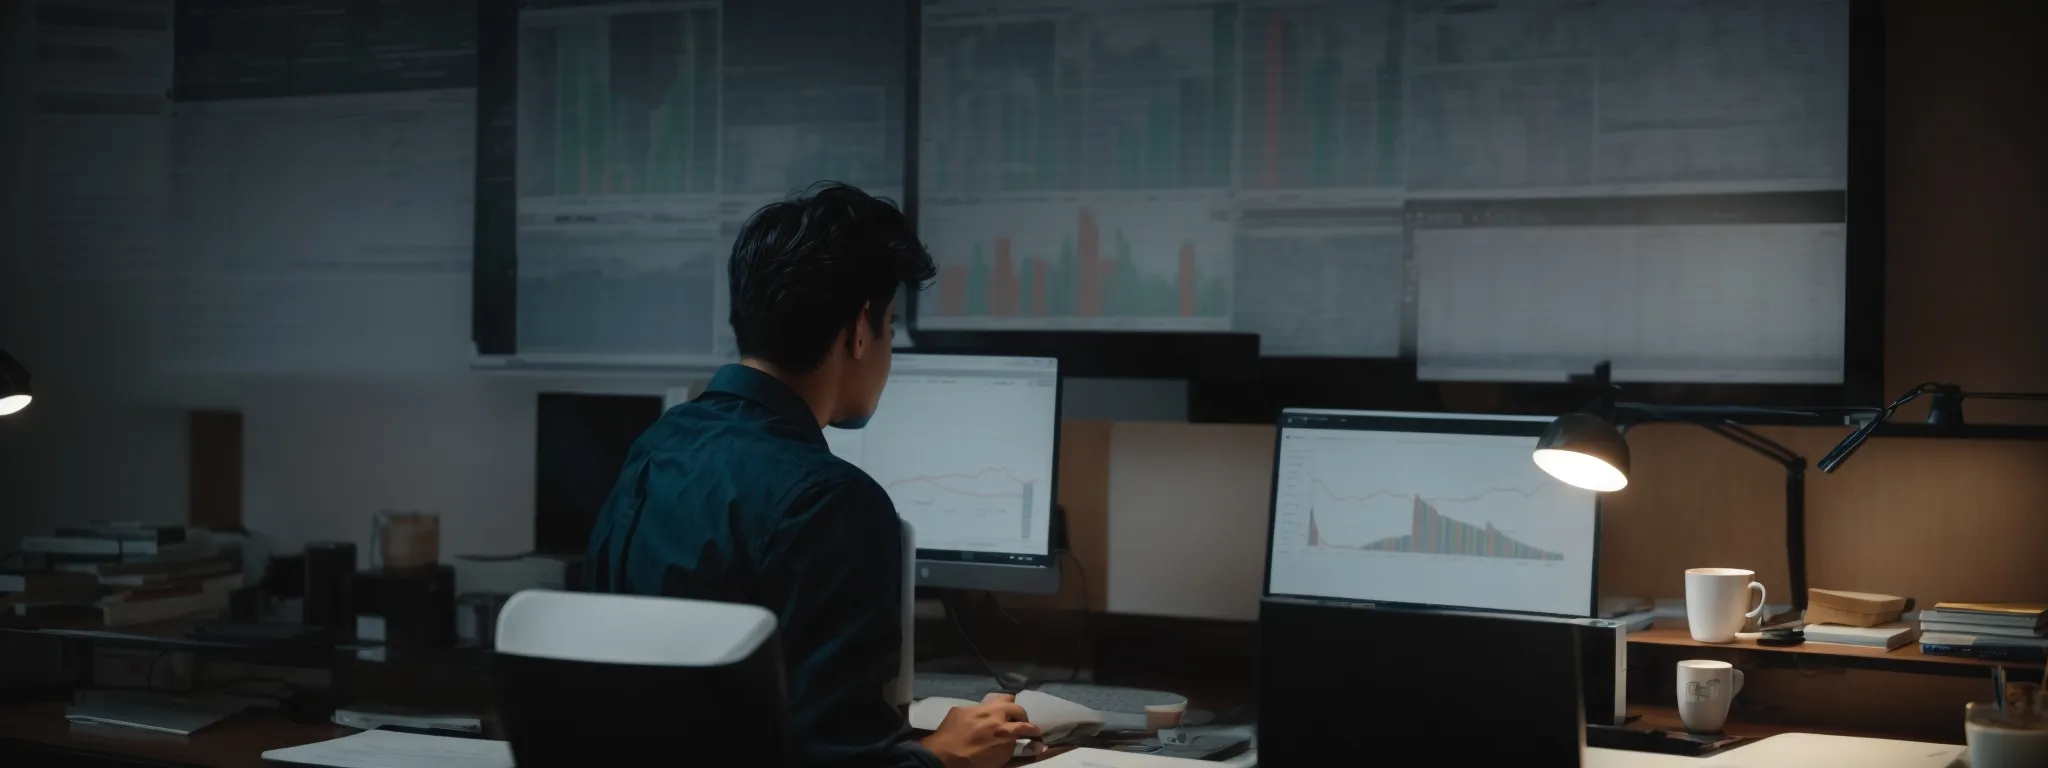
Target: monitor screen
(965, 446)
(1427, 509)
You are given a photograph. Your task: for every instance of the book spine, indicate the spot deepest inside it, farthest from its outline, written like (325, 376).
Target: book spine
(1986, 652)
(70, 545)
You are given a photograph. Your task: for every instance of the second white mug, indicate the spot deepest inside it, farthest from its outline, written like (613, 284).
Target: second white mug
(1705, 689)
(1714, 600)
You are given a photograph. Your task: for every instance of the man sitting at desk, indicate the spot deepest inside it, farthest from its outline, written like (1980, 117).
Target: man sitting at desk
(735, 497)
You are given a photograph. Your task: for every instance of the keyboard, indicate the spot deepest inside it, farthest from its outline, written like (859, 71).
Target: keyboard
(1633, 740)
(938, 684)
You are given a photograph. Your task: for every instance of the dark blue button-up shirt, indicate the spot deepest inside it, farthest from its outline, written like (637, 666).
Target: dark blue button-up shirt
(735, 497)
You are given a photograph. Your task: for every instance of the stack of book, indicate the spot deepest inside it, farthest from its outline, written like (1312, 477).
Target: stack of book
(1857, 618)
(122, 574)
(2000, 631)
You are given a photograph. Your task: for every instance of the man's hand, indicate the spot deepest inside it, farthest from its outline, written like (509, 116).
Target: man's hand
(980, 737)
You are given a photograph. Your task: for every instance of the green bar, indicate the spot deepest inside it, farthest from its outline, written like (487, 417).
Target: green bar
(1324, 89)
(1386, 93)
(1223, 83)
(1064, 283)
(1160, 138)
(977, 285)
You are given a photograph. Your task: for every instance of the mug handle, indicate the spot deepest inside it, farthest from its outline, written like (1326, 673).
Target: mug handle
(1738, 684)
(1761, 596)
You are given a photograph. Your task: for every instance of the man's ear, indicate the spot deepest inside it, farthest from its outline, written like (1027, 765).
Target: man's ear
(857, 342)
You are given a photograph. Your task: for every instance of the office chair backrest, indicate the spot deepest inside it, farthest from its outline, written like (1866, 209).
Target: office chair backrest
(594, 679)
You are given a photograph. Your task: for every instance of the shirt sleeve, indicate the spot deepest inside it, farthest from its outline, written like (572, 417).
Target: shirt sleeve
(842, 632)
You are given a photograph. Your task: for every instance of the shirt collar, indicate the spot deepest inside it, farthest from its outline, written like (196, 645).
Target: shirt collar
(755, 385)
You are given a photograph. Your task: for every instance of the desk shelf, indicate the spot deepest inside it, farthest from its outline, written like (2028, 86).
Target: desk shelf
(1906, 658)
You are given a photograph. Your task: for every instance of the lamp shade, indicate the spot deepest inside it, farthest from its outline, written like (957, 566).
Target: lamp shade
(1584, 450)
(14, 391)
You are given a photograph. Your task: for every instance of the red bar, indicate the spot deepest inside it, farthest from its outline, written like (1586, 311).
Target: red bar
(1038, 287)
(1273, 43)
(1419, 535)
(1091, 271)
(1187, 279)
(953, 292)
(1002, 286)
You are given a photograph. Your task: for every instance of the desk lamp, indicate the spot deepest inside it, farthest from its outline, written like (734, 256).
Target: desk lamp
(588, 679)
(1587, 450)
(14, 391)
(1944, 416)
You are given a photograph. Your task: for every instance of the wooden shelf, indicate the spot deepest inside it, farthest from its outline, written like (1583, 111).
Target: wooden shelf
(1906, 658)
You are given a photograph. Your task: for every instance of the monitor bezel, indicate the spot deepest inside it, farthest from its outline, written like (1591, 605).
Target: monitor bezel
(1420, 419)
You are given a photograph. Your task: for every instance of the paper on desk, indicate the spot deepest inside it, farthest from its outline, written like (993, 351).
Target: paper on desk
(1102, 758)
(1061, 720)
(391, 749)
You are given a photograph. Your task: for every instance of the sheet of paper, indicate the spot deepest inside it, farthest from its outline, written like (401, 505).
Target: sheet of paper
(1102, 758)
(390, 749)
(926, 714)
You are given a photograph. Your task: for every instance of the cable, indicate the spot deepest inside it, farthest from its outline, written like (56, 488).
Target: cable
(1084, 657)
(952, 605)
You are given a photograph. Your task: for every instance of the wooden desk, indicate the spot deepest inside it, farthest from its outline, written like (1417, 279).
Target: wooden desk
(1662, 718)
(237, 742)
(1906, 658)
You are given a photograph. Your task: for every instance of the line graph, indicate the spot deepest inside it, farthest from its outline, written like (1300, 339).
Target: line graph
(940, 481)
(1384, 492)
(1428, 518)
(1435, 534)
(991, 503)
(967, 460)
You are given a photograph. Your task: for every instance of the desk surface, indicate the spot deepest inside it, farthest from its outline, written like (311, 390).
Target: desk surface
(237, 742)
(241, 740)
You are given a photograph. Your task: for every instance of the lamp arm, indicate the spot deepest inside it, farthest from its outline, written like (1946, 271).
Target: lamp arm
(1848, 446)
(1795, 504)
(1795, 495)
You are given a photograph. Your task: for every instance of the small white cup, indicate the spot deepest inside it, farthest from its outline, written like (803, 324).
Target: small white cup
(1162, 716)
(1714, 599)
(2005, 739)
(1705, 689)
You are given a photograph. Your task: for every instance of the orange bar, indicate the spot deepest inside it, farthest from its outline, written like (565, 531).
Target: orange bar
(1091, 272)
(953, 292)
(1002, 286)
(1187, 279)
(1038, 287)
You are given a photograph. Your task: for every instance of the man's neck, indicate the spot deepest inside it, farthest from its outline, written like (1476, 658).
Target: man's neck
(816, 389)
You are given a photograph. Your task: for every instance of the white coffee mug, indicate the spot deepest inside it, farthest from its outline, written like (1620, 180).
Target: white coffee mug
(1705, 689)
(1714, 599)
(2006, 738)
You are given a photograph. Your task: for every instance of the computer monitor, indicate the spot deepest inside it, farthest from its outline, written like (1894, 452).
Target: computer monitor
(965, 446)
(1427, 509)
(581, 444)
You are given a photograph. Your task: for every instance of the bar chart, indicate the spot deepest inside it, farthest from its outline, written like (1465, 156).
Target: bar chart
(1117, 97)
(1129, 263)
(1430, 519)
(619, 102)
(1323, 101)
(1435, 534)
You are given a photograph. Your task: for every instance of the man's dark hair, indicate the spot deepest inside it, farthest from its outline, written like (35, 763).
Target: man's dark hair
(802, 268)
